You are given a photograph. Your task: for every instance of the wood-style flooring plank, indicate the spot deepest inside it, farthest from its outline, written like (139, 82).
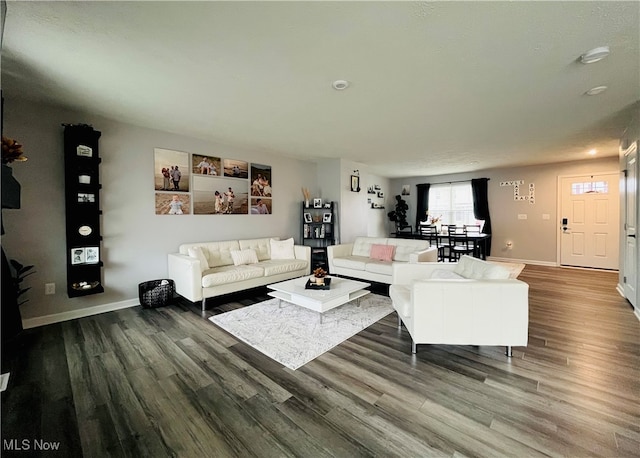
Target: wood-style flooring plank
(168, 382)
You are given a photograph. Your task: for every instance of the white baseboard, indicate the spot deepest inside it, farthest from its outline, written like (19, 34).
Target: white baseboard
(636, 312)
(80, 313)
(523, 261)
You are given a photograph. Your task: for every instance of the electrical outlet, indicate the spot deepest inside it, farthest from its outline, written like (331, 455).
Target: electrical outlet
(49, 288)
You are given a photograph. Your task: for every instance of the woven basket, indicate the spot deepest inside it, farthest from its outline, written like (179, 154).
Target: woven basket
(156, 293)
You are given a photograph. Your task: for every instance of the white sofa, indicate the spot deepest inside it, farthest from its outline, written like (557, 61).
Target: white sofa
(207, 269)
(354, 259)
(471, 302)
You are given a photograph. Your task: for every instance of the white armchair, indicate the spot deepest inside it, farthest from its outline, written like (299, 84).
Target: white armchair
(471, 302)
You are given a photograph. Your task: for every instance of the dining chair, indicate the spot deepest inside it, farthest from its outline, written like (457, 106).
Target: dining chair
(473, 229)
(459, 244)
(430, 232)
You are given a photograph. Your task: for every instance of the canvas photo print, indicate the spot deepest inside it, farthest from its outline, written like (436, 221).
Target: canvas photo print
(173, 203)
(260, 206)
(206, 165)
(172, 170)
(235, 168)
(219, 196)
(260, 180)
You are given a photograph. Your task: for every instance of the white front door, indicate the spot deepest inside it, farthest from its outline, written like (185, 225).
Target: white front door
(630, 220)
(590, 221)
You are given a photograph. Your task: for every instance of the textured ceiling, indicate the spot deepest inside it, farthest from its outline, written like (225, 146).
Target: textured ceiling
(436, 87)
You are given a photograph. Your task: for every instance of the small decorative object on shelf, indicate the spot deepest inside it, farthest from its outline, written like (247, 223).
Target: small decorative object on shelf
(307, 196)
(317, 203)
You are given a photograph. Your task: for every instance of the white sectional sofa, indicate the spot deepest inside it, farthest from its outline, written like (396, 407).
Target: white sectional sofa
(359, 259)
(471, 302)
(207, 269)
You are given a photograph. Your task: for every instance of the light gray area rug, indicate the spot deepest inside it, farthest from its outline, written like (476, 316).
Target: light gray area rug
(293, 335)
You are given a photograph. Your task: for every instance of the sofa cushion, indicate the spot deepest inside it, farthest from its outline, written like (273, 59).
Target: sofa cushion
(281, 266)
(379, 267)
(362, 245)
(282, 249)
(262, 247)
(220, 252)
(404, 247)
(217, 253)
(230, 274)
(401, 299)
(352, 262)
(241, 257)
(477, 269)
(197, 253)
(382, 252)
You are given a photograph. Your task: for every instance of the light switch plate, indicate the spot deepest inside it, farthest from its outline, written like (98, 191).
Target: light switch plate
(522, 216)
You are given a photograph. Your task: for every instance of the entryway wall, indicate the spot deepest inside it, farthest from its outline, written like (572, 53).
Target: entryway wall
(530, 229)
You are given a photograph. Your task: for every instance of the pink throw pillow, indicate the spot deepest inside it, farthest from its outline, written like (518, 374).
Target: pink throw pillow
(382, 252)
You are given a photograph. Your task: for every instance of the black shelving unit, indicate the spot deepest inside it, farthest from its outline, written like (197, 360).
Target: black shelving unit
(82, 210)
(318, 232)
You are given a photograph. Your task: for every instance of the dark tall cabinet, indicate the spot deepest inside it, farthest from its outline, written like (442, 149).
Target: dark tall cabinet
(318, 232)
(82, 209)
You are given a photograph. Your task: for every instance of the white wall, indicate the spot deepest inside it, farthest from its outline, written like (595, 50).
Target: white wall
(534, 239)
(135, 240)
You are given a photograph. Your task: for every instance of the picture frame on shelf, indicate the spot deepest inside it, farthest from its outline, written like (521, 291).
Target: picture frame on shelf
(326, 218)
(317, 203)
(92, 255)
(84, 197)
(307, 218)
(77, 256)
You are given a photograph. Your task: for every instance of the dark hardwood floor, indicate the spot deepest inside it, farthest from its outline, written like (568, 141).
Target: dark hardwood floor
(167, 382)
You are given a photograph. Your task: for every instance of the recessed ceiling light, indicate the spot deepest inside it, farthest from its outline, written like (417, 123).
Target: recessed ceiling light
(592, 152)
(596, 90)
(595, 54)
(340, 85)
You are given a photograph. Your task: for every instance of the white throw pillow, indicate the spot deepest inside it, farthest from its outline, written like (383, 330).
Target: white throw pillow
(282, 249)
(196, 252)
(241, 257)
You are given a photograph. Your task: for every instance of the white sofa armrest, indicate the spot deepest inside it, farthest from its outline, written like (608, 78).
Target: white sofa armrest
(428, 255)
(185, 271)
(338, 251)
(406, 273)
(303, 252)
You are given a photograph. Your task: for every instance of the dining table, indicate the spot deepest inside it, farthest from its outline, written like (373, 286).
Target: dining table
(479, 241)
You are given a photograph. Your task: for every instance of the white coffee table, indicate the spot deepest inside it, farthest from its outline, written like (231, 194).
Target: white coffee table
(319, 300)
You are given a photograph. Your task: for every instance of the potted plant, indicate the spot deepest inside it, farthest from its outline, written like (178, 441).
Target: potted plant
(318, 275)
(399, 215)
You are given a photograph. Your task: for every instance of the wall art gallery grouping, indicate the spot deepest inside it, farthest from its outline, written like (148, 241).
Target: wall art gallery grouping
(188, 183)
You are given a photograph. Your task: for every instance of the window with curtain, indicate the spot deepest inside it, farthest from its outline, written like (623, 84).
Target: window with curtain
(454, 201)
